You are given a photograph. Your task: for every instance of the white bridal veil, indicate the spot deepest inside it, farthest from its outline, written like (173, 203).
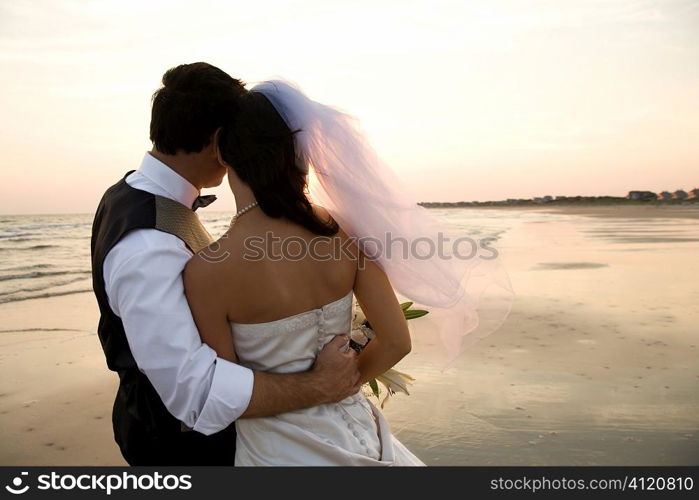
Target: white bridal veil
(460, 281)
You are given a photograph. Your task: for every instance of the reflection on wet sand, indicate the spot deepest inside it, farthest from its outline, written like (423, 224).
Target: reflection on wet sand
(597, 364)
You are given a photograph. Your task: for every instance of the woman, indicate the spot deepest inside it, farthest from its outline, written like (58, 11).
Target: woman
(284, 286)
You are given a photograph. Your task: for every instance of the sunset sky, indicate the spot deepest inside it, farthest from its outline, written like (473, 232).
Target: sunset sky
(467, 100)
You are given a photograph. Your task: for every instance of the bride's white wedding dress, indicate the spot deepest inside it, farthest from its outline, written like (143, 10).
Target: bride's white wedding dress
(351, 432)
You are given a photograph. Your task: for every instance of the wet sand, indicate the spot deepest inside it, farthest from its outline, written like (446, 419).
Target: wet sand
(56, 393)
(688, 211)
(598, 364)
(633, 211)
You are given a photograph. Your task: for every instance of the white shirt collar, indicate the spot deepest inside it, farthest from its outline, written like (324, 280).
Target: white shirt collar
(170, 181)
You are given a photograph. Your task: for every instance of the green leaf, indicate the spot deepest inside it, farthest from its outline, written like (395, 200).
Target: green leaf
(406, 305)
(415, 313)
(374, 387)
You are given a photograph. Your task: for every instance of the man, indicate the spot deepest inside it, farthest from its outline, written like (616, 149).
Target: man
(177, 401)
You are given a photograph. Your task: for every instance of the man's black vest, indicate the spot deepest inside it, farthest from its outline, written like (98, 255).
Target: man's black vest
(146, 432)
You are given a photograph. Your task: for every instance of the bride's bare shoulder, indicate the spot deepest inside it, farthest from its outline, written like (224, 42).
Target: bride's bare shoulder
(207, 265)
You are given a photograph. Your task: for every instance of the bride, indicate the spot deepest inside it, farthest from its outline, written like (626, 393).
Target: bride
(280, 283)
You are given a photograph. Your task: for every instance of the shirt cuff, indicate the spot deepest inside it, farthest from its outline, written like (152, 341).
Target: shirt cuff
(229, 396)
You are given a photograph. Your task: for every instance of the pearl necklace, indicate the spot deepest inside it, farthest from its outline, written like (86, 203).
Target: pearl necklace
(243, 210)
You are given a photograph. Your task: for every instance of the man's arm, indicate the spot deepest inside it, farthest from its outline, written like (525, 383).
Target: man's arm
(144, 285)
(333, 377)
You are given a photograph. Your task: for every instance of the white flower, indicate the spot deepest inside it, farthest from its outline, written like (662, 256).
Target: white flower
(394, 381)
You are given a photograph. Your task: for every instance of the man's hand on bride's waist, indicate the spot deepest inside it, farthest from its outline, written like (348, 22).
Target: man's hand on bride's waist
(335, 371)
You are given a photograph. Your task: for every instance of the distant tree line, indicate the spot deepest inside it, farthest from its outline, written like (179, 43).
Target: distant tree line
(633, 197)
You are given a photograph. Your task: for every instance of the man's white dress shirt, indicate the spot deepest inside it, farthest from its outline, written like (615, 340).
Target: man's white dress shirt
(143, 281)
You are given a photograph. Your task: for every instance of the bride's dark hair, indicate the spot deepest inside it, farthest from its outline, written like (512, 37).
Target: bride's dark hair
(259, 147)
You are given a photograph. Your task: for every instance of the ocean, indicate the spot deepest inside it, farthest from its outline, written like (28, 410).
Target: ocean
(49, 255)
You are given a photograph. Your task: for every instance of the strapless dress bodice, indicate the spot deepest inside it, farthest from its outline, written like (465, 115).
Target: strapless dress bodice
(350, 432)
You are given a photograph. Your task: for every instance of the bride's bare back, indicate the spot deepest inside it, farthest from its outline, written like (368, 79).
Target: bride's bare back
(275, 268)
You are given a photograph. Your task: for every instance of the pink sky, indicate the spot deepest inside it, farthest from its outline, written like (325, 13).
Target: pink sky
(466, 100)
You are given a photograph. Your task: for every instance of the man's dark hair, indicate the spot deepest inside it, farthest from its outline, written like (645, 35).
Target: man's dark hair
(194, 101)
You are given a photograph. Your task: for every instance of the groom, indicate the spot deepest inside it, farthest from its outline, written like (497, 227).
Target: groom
(177, 401)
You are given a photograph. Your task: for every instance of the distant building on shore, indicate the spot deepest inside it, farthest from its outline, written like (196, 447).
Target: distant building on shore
(544, 199)
(642, 195)
(680, 194)
(665, 195)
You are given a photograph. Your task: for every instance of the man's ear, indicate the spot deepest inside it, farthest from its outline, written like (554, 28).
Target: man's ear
(217, 151)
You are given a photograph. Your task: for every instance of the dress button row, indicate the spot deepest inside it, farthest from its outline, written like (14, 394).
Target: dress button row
(356, 434)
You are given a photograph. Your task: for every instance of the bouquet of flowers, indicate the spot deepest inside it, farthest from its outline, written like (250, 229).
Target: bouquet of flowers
(362, 333)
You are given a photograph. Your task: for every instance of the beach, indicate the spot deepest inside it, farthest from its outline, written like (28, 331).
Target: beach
(655, 210)
(56, 393)
(598, 363)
